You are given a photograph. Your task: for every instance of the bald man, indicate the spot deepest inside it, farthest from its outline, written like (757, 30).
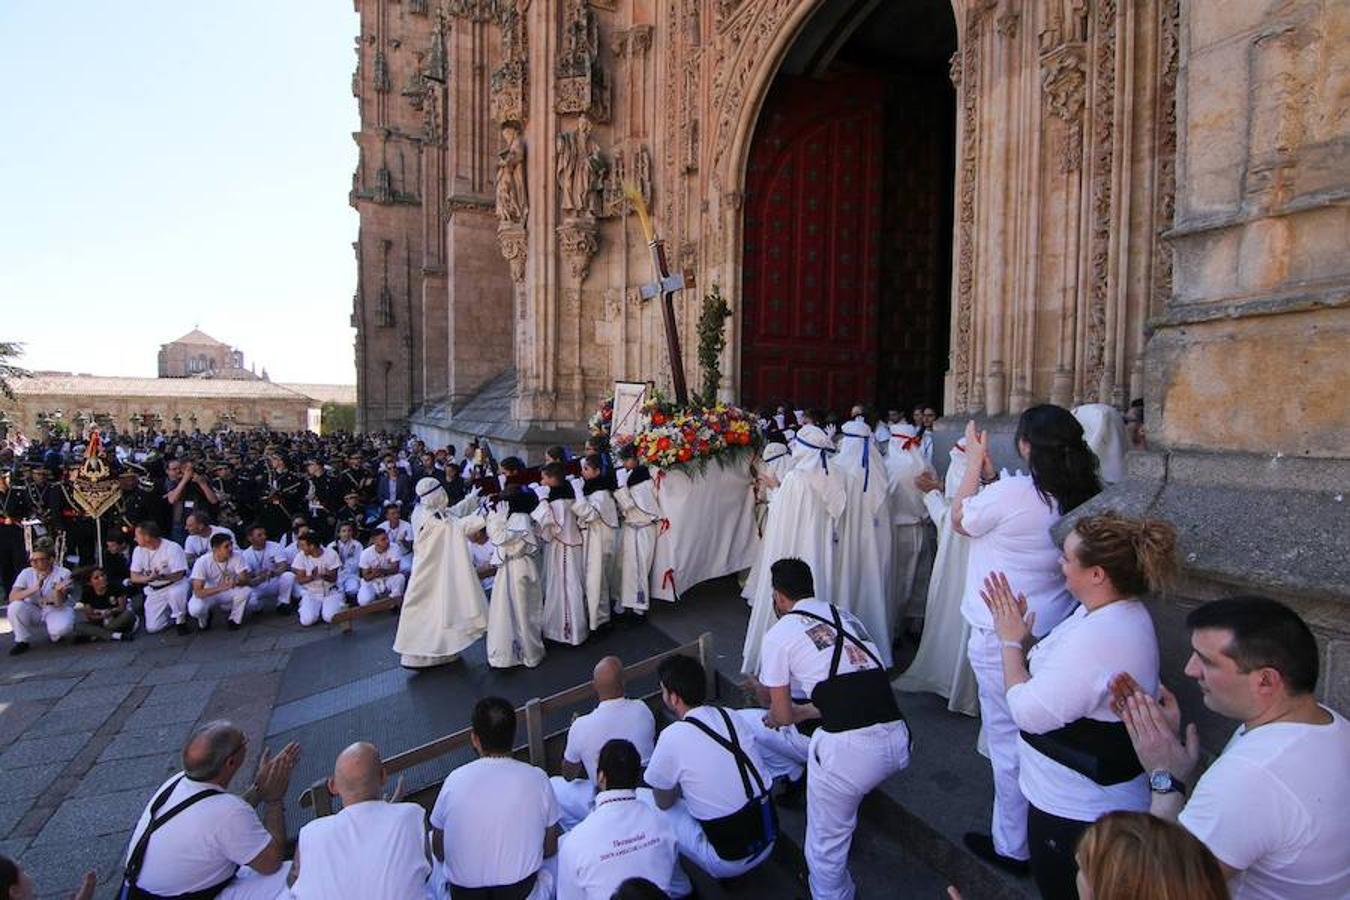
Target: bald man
(195, 837)
(371, 850)
(614, 717)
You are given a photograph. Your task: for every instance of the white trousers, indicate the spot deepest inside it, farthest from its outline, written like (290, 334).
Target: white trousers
(249, 885)
(278, 588)
(235, 600)
(166, 605)
(327, 605)
(783, 750)
(1009, 826)
(388, 586)
(405, 564)
(28, 618)
(694, 843)
(575, 799)
(842, 768)
(349, 585)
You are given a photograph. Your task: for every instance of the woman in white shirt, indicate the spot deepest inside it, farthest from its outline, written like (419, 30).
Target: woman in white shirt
(1075, 759)
(1009, 524)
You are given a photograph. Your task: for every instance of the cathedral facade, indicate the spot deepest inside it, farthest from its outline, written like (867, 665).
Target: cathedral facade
(982, 204)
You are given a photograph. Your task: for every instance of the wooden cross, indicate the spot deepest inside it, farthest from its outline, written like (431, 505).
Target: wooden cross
(665, 285)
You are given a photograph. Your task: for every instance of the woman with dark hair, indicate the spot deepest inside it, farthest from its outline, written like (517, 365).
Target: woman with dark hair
(1008, 519)
(1075, 759)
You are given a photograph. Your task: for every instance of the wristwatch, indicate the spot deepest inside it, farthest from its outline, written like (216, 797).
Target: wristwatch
(1163, 782)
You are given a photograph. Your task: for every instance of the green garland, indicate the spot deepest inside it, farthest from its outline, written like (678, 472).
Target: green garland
(711, 342)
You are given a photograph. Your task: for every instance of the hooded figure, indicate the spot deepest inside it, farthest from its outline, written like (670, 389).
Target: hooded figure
(444, 610)
(1104, 433)
(516, 617)
(801, 523)
(862, 559)
(904, 463)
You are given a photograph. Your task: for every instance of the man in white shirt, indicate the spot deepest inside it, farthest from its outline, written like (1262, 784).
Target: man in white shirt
(40, 599)
(199, 533)
(316, 571)
(623, 838)
(381, 570)
(818, 651)
(220, 578)
(371, 849)
(615, 716)
(349, 551)
(269, 571)
(1272, 807)
(495, 822)
(400, 535)
(707, 774)
(159, 567)
(194, 835)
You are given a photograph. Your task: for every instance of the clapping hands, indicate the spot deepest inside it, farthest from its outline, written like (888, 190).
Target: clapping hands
(274, 773)
(1012, 621)
(1154, 726)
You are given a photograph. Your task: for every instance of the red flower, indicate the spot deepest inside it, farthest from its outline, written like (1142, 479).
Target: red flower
(685, 454)
(663, 444)
(658, 418)
(606, 413)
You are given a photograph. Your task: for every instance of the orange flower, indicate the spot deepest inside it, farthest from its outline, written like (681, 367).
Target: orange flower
(658, 418)
(685, 454)
(663, 444)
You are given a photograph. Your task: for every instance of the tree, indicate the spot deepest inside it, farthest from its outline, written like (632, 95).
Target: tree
(10, 351)
(337, 417)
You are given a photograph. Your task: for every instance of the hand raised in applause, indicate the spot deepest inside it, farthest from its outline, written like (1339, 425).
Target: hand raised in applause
(1154, 726)
(1011, 619)
(927, 480)
(976, 444)
(274, 772)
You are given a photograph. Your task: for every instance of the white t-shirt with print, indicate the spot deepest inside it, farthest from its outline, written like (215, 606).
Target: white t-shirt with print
(207, 570)
(706, 772)
(797, 650)
(164, 560)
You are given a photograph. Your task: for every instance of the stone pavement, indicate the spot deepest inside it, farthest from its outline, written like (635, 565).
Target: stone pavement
(87, 733)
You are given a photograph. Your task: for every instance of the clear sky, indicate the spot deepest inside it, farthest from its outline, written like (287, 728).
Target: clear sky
(176, 163)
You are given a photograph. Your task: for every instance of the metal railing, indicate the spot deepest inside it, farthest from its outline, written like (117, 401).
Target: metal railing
(532, 714)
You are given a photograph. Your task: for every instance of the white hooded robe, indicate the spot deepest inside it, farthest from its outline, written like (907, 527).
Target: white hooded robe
(516, 614)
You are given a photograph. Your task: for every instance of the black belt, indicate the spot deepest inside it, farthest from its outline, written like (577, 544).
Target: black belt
(518, 891)
(1101, 751)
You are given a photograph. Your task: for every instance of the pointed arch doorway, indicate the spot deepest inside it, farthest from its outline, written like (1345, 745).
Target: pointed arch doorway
(846, 267)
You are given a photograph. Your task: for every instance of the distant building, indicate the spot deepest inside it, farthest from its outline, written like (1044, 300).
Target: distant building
(198, 355)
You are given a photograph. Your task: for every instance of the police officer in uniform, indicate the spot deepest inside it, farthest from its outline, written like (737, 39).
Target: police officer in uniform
(825, 653)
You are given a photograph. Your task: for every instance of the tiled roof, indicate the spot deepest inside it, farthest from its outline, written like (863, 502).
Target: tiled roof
(324, 393)
(200, 338)
(77, 386)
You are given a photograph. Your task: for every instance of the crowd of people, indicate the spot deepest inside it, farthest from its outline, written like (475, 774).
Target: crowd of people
(1095, 787)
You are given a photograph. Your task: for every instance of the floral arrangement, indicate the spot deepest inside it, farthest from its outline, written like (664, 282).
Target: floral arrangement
(600, 419)
(688, 437)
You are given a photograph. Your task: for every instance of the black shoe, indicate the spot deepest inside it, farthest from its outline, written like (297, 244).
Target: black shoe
(283, 609)
(81, 639)
(19, 648)
(793, 794)
(183, 628)
(982, 845)
(232, 624)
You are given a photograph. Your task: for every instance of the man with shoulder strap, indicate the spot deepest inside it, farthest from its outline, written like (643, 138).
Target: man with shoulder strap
(816, 650)
(194, 836)
(706, 772)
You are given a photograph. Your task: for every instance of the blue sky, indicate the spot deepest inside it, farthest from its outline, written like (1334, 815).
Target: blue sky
(176, 163)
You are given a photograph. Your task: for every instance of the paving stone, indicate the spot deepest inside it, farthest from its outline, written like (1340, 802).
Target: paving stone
(16, 718)
(131, 674)
(59, 867)
(103, 695)
(124, 774)
(37, 689)
(14, 847)
(27, 782)
(167, 738)
(269, 662)
(30, 667)
(262, 641)
(177, 693)
(82, 819)
(171, 674)
(42, 750)
(300, 638)
(103, 655)
(184, 710)
(160, 656)
(65, 721)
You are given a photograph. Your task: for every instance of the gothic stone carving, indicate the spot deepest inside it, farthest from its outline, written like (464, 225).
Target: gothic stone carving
(512, 198)
(581, 171)
(965, 235)
(578, 241)
(632, 164)
(1103, 121)
(1064, 82)
(1166, 154)
(508, 81)
(582, 86)
(514, 245)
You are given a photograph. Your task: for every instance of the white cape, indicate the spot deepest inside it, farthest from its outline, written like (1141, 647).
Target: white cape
(862, 559)
(566, 619)
(515, 621)
(941, 666)
(444, 610)
(598, 516)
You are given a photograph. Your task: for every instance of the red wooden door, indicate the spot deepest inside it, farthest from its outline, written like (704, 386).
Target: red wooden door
(812, 232)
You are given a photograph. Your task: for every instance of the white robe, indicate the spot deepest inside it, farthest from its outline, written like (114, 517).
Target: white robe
(565, 616)
(598, 517)
(941, 666)
(801, 523)
(862, 560)
(444, 610)
(904, 463)
(641, 522)
(516, 615)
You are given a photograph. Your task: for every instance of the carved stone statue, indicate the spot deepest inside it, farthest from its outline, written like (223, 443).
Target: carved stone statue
(512, 200)
(581, 171)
